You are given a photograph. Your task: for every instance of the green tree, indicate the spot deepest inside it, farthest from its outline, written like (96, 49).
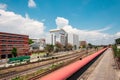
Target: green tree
(90, 45)
(84, 46)
(49, 48)
(95, 47)
(116, 51)
(69, 46)
(58, 46)
(17, 78)
(30, 41)
(117, 41)
(75, 47)
(14, 51)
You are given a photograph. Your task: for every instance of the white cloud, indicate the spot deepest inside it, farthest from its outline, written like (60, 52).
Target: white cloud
(15, 23)
(3, 6)
(118, 34)
(93, 36)
(103, 29)
(61, 22)
(31, 4)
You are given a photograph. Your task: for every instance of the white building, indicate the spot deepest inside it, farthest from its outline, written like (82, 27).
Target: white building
(39, 44)
(73, 39)
(58, 35)
(34, 40)
(42, 43)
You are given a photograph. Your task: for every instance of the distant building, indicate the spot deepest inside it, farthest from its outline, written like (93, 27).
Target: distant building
(34, 40)
(83, 43)
(58, 35)
(42, 44)
(39, 44)
(10, 40)
(73, 39)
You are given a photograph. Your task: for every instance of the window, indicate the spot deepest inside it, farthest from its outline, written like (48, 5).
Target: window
(3, 56)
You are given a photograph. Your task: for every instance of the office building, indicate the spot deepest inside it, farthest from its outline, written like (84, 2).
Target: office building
(61, 36)
(58, 35)
(8, 41)
(73, 39)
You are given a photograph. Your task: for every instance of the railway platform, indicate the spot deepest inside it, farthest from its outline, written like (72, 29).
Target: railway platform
(105, 70)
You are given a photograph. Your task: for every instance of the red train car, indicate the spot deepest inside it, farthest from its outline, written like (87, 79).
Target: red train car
(67, 71)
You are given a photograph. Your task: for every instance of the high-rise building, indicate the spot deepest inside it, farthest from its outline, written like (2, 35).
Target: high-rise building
(58, 35)
(8, 41)
(61, 36)
(73, 39)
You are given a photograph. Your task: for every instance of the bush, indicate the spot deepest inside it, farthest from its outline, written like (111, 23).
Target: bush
(116, 51)
(17, 78)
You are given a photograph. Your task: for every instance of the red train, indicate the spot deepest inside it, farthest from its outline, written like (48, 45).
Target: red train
(65, 72)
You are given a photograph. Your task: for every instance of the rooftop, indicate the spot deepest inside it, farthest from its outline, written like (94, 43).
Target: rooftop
(54, 30)
(13, 34)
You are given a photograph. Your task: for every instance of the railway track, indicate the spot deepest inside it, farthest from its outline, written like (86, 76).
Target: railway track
(44, 60)
(67, 62)
(12, 74)
(74, 70)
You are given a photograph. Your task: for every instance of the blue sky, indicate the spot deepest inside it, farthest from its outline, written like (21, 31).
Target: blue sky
(86, 15)
(82, 14)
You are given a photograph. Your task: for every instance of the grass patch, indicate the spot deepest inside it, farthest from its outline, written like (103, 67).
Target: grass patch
(40, 71)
